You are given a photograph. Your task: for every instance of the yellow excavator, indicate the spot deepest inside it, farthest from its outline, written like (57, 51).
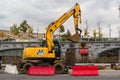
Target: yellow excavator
(49, 53)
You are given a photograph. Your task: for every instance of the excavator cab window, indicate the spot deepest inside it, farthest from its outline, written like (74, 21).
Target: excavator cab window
(44, 43)
(57, 49)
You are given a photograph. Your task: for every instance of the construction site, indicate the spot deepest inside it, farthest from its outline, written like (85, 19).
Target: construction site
(71, 55)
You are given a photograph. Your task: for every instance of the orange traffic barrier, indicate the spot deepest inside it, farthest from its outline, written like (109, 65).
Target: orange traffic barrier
(41, 71)
(85, 70)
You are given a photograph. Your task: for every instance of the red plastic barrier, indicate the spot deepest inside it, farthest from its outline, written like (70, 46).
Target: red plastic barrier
(84, 51)
(85, 71)
(41, 71)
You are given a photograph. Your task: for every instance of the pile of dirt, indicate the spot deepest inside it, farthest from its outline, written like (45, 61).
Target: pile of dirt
(74, 38)
(70, 58)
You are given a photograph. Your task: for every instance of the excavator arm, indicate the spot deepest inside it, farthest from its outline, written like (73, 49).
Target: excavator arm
(75, 11)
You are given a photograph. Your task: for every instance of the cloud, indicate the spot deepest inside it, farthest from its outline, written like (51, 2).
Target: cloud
(40, 13)
(2, 16)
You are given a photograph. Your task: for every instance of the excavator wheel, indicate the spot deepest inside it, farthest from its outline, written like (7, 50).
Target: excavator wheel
(26, 66)
(59, 68)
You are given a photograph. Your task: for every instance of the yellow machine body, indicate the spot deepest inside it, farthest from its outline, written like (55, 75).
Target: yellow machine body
(39, 52)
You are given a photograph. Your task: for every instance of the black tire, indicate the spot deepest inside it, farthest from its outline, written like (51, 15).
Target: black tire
(26, 66)
(59, 68)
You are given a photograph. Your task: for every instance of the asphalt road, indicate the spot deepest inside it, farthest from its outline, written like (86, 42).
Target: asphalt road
(103, 75)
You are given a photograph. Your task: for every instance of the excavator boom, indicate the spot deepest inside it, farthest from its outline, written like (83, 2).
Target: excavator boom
(76, 12)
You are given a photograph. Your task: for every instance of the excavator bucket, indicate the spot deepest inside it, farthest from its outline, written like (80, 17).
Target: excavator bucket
(41, 71)
(85, 70)
(74, 38)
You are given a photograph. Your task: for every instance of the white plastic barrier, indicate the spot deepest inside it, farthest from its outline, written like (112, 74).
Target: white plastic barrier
(12, 69)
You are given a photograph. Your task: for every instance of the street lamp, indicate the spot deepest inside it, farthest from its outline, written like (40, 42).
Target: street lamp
(119, 18)
(119, 11)
(37, 33)
(109, 31)
(119, 35)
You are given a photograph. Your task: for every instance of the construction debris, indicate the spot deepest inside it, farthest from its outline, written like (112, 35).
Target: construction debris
(74, 38)
(70, 58)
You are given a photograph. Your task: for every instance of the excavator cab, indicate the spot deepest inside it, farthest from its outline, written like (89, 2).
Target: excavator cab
(57, 48)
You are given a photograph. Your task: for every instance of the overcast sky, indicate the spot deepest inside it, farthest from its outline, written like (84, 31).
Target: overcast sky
(40, 13)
